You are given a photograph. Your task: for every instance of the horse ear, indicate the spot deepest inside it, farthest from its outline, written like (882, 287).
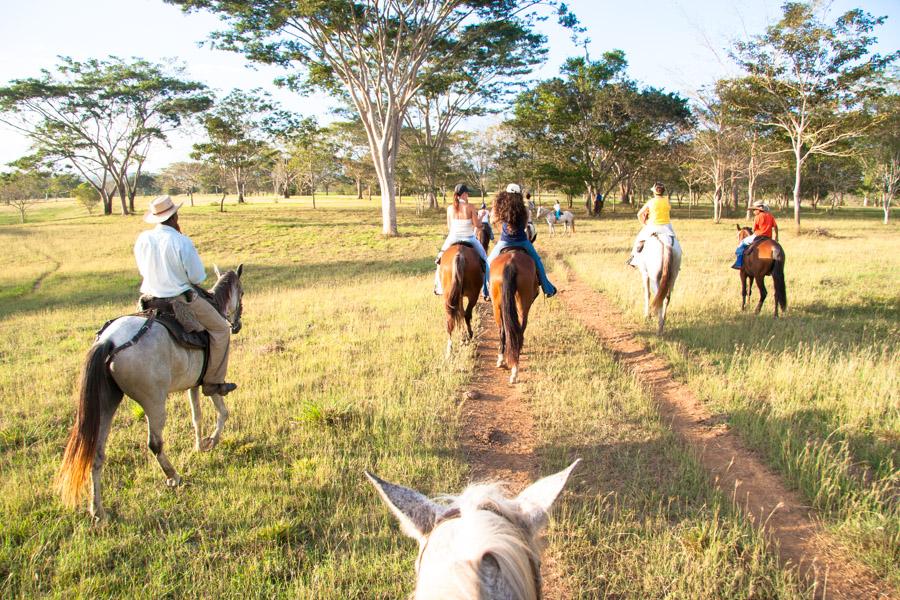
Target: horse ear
(216, 271)
(538, 497)
(416, 513)
(736, 226)
(240, 269)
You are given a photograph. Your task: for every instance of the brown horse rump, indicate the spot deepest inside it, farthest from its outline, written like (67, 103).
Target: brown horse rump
(755, 244)
(468, 245)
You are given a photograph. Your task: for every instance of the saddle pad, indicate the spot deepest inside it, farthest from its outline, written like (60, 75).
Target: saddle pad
(463, 243)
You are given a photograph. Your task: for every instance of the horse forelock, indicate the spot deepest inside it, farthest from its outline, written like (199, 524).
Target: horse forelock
(487, 551)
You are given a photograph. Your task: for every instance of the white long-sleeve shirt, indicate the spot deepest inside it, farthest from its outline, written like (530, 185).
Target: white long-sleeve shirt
(168, 262)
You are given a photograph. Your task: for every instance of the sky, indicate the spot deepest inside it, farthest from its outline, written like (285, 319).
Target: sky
(678, 45)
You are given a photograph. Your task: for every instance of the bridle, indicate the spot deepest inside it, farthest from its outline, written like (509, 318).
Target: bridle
(455, 513)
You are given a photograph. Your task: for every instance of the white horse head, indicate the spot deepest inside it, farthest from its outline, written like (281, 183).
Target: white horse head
(480, 544)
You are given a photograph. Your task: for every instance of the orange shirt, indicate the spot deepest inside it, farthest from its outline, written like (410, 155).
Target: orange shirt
(763, 224)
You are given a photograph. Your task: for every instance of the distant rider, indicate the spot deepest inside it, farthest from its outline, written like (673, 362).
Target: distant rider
(654, 215)
(171, 267)
(511, 213)
(485, 216)
(462, 223)
(763, 225)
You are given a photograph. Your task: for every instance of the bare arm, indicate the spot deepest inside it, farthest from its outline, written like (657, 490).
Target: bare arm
(475, 220)
(644, 214)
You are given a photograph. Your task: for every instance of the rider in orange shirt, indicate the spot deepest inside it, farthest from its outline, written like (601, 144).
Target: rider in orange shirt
(763, 225)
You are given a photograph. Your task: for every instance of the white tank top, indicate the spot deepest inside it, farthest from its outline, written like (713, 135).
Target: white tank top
(461, 228)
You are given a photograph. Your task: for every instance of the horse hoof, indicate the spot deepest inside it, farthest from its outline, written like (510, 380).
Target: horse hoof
(173, 482)
(207, 444)
(99, 519)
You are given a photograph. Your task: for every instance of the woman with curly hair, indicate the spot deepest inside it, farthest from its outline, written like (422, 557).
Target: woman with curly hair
(511, 213)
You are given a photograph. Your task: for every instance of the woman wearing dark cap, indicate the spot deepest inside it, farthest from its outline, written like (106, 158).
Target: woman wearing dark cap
(511, 213)
(462, 223)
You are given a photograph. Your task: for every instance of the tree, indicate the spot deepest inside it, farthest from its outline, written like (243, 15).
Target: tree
(477, 154)
(101, 117)
(881, 151)
(87, 196)
(21, 189)
(312, 159)
(239, 128)
(183, 177)
(352, 151)
(809, 81)
(370, 53)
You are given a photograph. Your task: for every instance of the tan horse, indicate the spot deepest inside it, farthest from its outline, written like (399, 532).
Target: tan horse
(461, 278)
(480, 544)
(766, 258)
(514, 286)
(147, 370)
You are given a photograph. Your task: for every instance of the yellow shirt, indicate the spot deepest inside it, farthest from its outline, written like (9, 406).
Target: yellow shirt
(659, 208)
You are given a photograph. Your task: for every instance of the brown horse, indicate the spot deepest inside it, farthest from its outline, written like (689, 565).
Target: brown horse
(461, 277)
(765, 258)
(484, 236)
(514, 287)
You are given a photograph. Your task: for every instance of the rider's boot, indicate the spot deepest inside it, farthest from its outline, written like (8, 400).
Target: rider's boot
(218, 389)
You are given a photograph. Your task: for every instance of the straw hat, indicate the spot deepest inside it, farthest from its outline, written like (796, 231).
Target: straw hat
(513, 188)
(760, 205)
(161, 208)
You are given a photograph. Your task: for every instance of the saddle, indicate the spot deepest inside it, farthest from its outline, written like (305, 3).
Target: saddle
(470, 245)
(756, 242)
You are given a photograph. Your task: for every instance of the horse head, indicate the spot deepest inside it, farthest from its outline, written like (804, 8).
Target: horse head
(743, 232)
(229, 295)
(480, 544)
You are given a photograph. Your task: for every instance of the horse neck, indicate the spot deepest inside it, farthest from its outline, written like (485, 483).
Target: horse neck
(222, 293)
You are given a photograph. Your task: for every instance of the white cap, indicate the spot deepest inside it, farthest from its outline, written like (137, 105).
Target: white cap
(513, 188)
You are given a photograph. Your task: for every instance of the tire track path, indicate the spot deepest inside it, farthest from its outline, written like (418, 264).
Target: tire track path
(799, 539)
(497, 436)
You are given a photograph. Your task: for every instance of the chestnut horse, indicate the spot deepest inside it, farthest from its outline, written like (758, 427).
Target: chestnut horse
(461, 277)
(765, 258)
(514, 287)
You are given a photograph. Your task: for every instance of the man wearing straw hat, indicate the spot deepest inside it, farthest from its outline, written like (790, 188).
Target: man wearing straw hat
(171, 267)
(763, 225)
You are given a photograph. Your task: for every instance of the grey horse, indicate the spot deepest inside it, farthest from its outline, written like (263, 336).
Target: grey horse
(147, 371)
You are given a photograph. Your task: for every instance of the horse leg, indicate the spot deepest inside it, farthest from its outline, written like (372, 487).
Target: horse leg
(222, 416)
(96, 506)
(155, 410)
(469, 310)
(196, 414)
(761, 284)
(646, 282)
(662, 316)
(744, 294)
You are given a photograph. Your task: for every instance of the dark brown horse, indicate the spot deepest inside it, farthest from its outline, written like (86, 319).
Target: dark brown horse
(461, 278)
(484, 236)
(764, 258)
(514, 287)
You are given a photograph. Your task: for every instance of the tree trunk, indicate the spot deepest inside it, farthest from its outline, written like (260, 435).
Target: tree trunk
(717, 204)
(314, 197)
(191, 193)
(798, 167)
(123, 197)
(359, 195)
(222, 201)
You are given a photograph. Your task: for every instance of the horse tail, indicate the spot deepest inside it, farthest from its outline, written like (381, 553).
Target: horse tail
(509, 312)
(665, 278)
(98, 395)
(454, 304)
(778, 259)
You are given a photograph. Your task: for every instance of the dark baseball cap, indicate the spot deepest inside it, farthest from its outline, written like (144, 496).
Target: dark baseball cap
(461, 189)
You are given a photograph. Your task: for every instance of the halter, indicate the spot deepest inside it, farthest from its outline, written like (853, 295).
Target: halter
(455, 513)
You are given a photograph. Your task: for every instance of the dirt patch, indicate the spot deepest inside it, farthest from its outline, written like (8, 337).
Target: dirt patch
(798, 538)
(497, 433)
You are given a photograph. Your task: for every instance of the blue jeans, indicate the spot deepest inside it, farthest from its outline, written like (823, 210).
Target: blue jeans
(548, 287)
(740, 251)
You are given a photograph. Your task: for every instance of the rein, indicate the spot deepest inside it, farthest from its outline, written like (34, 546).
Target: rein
(455, 513)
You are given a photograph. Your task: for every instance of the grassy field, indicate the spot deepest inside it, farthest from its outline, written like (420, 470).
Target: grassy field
(341, 369)
(816, 392)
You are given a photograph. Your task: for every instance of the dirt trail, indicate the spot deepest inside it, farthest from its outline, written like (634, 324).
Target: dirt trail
(497, 434)
(800, 540)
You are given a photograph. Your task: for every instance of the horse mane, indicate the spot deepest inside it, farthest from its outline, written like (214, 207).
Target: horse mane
(489, 545)
(222, 290)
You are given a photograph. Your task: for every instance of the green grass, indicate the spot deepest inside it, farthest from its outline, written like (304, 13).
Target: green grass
(815, 392)
(341, 368)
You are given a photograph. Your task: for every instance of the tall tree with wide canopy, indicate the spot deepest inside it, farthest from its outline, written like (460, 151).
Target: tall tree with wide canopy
(809, 81)
(372, 53)
(101, 117)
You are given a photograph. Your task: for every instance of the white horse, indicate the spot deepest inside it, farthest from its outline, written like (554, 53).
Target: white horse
(480, 544)
(147, 370)
(566, 218)
(658, 263)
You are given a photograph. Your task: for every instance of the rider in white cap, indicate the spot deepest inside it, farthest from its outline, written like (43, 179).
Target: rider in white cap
(171, 267)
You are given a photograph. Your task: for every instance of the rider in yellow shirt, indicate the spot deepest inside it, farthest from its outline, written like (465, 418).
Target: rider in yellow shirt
(654, 215)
